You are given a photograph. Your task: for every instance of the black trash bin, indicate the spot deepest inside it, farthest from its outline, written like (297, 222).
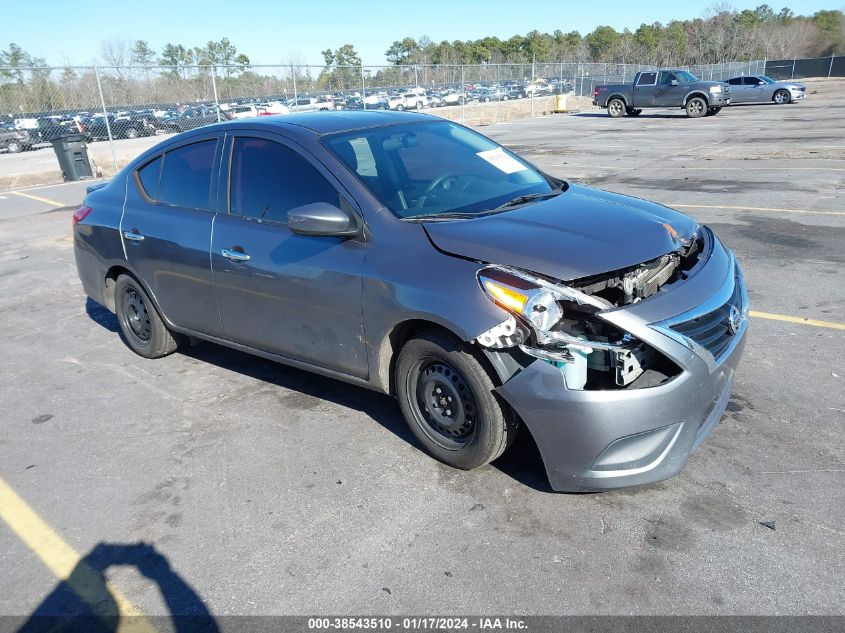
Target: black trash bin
(72, 153)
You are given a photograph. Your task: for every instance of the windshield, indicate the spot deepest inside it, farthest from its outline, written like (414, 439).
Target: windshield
(425, 169)
(685, 78)
(768, 80)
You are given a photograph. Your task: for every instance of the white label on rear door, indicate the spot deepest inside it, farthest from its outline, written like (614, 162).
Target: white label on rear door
(501, 161)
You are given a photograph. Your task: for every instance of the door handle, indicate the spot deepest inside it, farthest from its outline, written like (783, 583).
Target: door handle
(133, 235)
(235, 256)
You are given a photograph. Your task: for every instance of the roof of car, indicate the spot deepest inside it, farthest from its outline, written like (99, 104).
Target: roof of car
(339, 121)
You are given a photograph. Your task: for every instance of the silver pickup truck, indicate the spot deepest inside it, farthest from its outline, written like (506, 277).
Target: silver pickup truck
(664, 89)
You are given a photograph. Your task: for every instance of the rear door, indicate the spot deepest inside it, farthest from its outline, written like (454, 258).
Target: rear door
(166, 231)
(644, 90)
(293, 295)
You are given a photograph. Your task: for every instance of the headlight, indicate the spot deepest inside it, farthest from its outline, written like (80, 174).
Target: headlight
(715, 88)
(554, 316)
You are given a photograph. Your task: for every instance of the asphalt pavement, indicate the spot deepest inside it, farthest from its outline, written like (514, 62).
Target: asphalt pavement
(268, 490)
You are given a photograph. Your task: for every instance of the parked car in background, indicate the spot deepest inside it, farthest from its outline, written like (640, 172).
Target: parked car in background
(663, 89)
(14, 140)
(272, 107)
(246, 111)
(414, 100)
(538, 88)
(492, 94)
(762, 89)
(516, 91)
(189, 119)
(453, 97)
(416, 257)
(123, 126)
(310, 104)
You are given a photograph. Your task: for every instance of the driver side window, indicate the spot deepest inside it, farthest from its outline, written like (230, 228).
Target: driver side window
(666, 78)
(268, 179)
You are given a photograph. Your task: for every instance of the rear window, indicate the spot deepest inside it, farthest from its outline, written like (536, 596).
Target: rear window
(186, 176)
(149, 176)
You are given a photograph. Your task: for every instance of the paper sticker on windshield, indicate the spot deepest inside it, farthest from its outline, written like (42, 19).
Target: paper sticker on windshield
(501, 161)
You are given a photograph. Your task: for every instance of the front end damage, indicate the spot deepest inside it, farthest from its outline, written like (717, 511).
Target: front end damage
(621, 375)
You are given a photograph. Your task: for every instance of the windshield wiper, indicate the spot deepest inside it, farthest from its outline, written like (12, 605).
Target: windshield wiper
(530, 197)
(434, 217)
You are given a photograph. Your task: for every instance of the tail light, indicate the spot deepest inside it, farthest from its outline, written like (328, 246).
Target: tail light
(596, 93)
(80, 214)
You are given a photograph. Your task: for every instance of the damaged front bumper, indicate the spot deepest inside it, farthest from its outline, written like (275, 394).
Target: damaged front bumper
(602, 439)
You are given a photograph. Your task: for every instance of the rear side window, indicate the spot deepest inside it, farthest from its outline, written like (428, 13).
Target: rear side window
(647, 79)
(268, 179)
(149, 176)
(186, 176)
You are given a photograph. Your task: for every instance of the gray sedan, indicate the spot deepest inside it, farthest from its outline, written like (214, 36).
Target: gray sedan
(762, 89)
(415, 257)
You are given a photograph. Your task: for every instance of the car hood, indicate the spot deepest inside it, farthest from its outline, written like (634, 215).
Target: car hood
(580, 233)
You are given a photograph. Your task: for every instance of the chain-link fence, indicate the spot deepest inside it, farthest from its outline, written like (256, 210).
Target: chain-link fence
(129, 107)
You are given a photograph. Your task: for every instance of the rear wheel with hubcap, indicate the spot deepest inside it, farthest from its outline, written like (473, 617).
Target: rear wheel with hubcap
(696, 107)
(446, 396)
(616, 108)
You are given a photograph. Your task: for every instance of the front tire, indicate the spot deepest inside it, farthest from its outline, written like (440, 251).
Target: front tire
(141, 327)
(14, 147)
(696, 107)
(447, 399)
(616, 108)
(782, 96)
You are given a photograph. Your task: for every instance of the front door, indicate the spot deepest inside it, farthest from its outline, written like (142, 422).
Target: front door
(292, 295)
(667, 93)
(166, 232)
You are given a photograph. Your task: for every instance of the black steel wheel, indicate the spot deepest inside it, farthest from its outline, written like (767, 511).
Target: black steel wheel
(446, 396)
(141, 327)
(444, 403)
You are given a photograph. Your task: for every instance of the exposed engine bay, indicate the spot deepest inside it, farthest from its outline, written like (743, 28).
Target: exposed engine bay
(561, 324)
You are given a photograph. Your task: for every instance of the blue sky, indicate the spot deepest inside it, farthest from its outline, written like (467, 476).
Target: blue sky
(272, 32)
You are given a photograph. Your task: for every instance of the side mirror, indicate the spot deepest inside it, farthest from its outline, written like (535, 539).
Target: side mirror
(322, 219)
(674, 82)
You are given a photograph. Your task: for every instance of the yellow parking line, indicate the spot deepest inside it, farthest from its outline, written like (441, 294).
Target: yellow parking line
(64, 562)
(721, 206)
(53, 203)
(792, 319)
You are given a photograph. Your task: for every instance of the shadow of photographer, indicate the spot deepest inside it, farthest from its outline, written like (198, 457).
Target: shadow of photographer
(84, 602)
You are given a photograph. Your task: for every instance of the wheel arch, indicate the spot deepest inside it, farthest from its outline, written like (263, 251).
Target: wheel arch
(616, 95)
(697, 93)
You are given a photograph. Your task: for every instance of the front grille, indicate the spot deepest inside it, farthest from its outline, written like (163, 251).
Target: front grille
(712, 330)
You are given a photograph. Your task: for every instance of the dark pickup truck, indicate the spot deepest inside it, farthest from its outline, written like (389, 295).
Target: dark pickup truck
(663, 89)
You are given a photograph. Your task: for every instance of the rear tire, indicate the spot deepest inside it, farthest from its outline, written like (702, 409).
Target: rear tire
(14, 147)
(616, 108)
(132, 133)
(141, 327)
(696, 107)
(446, 396)
(782, 97)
